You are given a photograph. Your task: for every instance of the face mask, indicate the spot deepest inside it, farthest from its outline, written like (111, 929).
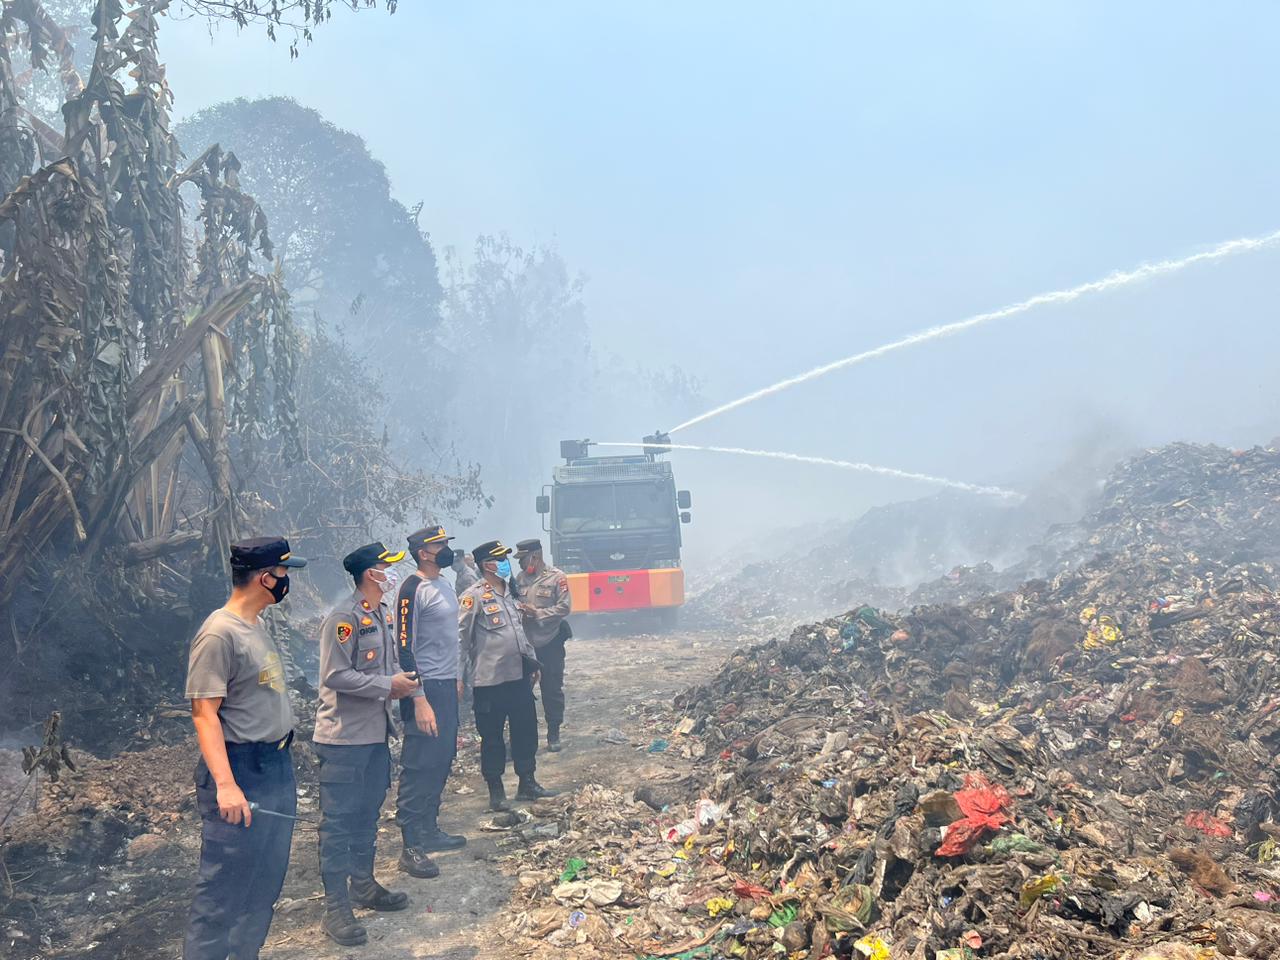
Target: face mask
(504, 569)
(444, 559)
(388, 582)
(279, 590)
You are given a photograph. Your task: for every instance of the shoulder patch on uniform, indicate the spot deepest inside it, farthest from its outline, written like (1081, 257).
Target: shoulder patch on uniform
(467, 602)
(344, 632)
(563, 582)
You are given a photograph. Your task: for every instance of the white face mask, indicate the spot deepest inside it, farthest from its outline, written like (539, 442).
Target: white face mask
(389, 580)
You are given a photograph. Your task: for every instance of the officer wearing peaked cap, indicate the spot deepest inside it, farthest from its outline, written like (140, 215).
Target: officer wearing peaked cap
(244, 725)
(359, 681)
(545, 606)
(502, 666)
(427, 641)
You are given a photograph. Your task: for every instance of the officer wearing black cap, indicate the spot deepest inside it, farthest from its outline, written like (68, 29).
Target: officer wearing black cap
(545, 605)
(501, 664)
(359, 682)
(427, 641)
(244, 724)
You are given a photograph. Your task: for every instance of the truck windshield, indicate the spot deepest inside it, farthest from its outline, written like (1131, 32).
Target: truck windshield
(627, 506)
(642, 505)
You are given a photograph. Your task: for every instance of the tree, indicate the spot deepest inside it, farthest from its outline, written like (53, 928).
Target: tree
(297, 17)
(349, 251)
(515, 338)
(520, 345)
(150, 383)
(351, 482)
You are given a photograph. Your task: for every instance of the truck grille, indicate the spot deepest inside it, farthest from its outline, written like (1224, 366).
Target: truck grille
(641, 551)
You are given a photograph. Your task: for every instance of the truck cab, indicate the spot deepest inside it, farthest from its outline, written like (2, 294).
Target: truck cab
(615, 528)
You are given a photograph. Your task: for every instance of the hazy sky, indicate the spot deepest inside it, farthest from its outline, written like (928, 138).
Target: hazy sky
(757, 188)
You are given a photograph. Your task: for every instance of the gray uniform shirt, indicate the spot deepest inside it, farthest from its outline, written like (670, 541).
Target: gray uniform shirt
(491, 637)
(239, 662)
(548, 594)
(357, 660)
(435, 630)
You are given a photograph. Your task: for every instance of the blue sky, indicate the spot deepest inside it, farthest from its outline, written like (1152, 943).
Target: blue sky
(757, 188)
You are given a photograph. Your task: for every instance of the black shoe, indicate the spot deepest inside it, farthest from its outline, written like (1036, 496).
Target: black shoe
(498, 797)
(368, 892)
(439, 840)
(530, 789)
(553, 740)
(340, 924)
(416, 863)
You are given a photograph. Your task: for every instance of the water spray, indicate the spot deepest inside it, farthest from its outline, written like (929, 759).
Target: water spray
(826, 462)
(1115, 280)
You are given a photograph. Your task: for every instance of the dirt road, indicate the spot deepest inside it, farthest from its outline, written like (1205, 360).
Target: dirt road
(122, 909)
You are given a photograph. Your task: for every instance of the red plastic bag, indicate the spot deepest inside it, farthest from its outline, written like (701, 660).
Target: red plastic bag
(744, 890)
(984, 805)
(1207, 824)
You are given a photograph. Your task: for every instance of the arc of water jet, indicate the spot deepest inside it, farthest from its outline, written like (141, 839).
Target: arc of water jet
(1118, 279)
(827, 462)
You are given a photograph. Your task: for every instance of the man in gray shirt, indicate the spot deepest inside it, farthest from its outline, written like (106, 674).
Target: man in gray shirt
(427, 641)
(244, 725)
(359, 681)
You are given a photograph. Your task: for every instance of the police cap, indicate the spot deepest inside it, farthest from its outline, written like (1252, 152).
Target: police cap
(491, 550)
(370, 555)
(434, 533)
(526, 547)
(259, 553)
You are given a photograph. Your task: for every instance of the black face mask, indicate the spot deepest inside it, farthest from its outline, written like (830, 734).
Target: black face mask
(444, 559)
(280, 589)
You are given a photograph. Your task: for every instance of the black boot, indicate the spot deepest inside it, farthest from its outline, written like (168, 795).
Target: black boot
(340, 924)
(368, 892)
(530, 789)
(415, 862)
(436, 840)
(553, 739)
(498, 796)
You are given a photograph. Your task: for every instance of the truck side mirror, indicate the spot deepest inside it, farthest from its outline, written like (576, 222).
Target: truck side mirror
(686, 517)
(683, 500)
(543, 504)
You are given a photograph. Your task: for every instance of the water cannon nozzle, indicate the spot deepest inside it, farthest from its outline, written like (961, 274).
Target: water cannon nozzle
(657, 443)
(575, 449)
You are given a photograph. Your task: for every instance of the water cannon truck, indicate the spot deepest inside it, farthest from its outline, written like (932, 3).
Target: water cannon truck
(614, 524)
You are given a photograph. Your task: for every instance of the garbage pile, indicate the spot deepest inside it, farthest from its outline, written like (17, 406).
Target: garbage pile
(1079, 767)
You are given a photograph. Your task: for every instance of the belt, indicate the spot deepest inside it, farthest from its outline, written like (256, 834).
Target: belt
(261, 747)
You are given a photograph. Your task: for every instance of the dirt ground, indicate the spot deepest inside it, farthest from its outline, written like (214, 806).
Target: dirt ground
(94, 901)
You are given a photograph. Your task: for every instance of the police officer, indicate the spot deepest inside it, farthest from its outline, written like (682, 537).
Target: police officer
(427, 639)
(244, 725)
(501, 664)
(359, 681)
(544, 606)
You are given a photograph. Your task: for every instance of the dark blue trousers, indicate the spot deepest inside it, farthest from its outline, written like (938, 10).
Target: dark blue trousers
(425, 764)
(241, 868)
(496, 707)
(353, 783)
